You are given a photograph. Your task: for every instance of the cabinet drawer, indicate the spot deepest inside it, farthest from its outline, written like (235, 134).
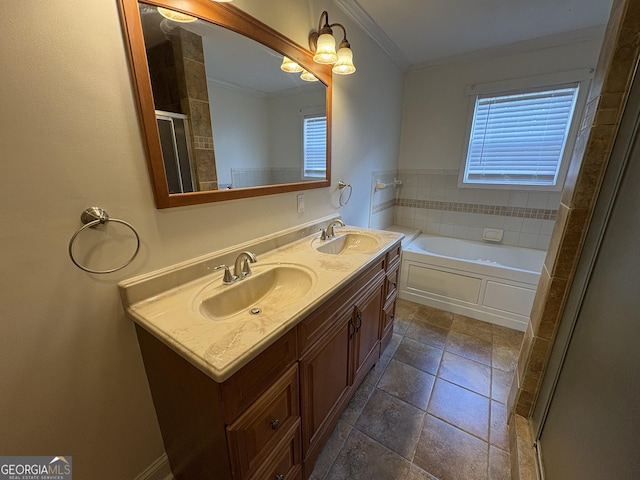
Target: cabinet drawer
(258, 430)
(391, 282)
(393, 255)
(252, 380)
(285, 462)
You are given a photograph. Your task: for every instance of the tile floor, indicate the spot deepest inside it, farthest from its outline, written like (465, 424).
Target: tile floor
(433, 406)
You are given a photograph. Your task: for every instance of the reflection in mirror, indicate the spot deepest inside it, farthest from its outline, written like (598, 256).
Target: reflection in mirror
(227, 116)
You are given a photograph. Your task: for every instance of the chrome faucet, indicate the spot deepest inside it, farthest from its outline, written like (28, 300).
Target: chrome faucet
(241, 268)
(330, 231)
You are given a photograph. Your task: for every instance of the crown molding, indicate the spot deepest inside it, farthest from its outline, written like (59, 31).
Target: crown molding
(550, 41)
(356, 13)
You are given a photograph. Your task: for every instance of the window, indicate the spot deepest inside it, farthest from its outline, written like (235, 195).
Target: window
(520, 137)
(314, 141)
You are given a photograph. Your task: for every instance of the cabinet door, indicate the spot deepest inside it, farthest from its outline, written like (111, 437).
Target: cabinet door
(324, 383)
(366, 347)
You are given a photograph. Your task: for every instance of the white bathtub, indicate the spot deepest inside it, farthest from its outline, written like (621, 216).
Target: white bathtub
(494, 283)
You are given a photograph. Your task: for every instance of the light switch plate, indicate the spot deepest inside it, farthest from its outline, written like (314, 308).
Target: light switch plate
(301, 203)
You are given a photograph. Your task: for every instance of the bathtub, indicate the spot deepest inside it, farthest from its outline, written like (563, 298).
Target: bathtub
(494, 283)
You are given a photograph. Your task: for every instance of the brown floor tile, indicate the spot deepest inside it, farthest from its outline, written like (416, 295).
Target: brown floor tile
(362, 458)
(460, 407)
(498, 431)
(331, 449)
(434, 316)
(391, 422)
(469, 347)
(500, 385)
(449, 453)
(405, 309)
(376, 372)
(499, 464)
(408, 383)
(466, 373)
(400, 325)
(393, 345)
(416, 473)
(424, 332)
(420, 355)
(504, 358)
(357, 403)
(471, 326)
(507, 337)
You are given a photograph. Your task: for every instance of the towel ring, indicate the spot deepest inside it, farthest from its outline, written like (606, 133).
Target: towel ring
(343, 188)
(94, 216)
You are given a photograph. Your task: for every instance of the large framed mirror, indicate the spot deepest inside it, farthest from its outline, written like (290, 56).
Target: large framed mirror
(221, 120)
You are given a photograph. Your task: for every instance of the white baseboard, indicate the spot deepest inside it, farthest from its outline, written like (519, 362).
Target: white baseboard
(158, 470)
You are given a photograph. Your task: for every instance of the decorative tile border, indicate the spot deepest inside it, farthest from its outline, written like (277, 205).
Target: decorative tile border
(521, 212)
(380, 207)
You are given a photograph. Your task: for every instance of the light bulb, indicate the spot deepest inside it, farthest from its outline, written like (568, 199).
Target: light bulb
(176, 16)
(344, 65)
(325, 49)
(290, 66)
(308, 77)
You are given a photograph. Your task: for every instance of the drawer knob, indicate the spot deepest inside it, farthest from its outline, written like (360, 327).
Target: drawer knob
(275, 424)
(280, 477)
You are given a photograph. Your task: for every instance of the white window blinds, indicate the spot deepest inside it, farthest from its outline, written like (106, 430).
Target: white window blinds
(519, 138)
(315, 146)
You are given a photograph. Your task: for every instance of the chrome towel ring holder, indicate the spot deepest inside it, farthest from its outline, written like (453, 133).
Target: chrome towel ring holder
(344, 187)
(95, 216)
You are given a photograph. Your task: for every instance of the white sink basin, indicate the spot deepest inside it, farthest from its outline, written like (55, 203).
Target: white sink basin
(347, 243)
(269, 289)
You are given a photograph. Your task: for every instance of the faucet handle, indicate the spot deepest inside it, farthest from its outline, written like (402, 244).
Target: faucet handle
(227, 278)
(323, 234)
(246, 269)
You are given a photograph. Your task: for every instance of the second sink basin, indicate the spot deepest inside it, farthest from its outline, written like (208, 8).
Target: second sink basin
(346, 243)
(271, 287)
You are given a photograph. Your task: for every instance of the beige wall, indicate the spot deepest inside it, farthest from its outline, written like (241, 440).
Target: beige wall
(436, 109)
(71, 376)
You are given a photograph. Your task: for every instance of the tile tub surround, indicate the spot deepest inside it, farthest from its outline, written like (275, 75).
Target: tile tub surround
(433, 406)
(432, 201)
(162, 301)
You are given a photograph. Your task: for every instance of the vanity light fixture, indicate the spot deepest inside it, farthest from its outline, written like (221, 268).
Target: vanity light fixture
(175, 16)
(323, 44)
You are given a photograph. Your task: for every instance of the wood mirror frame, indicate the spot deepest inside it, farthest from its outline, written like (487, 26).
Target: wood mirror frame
(230, 17)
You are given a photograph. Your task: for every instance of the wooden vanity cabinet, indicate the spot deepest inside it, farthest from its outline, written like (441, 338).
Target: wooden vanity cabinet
(271, 419)
(339, 343)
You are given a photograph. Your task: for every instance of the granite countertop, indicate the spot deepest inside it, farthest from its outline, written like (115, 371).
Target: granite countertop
(169, 308)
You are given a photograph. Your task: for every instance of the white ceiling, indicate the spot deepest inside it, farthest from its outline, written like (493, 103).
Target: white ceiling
(418, 32)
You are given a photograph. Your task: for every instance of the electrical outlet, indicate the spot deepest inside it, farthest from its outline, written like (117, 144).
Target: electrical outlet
(301, 203)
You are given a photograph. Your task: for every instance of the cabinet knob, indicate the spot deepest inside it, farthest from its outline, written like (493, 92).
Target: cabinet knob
(280, 476)
(275, 424)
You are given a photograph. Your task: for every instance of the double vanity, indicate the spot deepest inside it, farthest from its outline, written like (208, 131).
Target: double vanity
(252, 353)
